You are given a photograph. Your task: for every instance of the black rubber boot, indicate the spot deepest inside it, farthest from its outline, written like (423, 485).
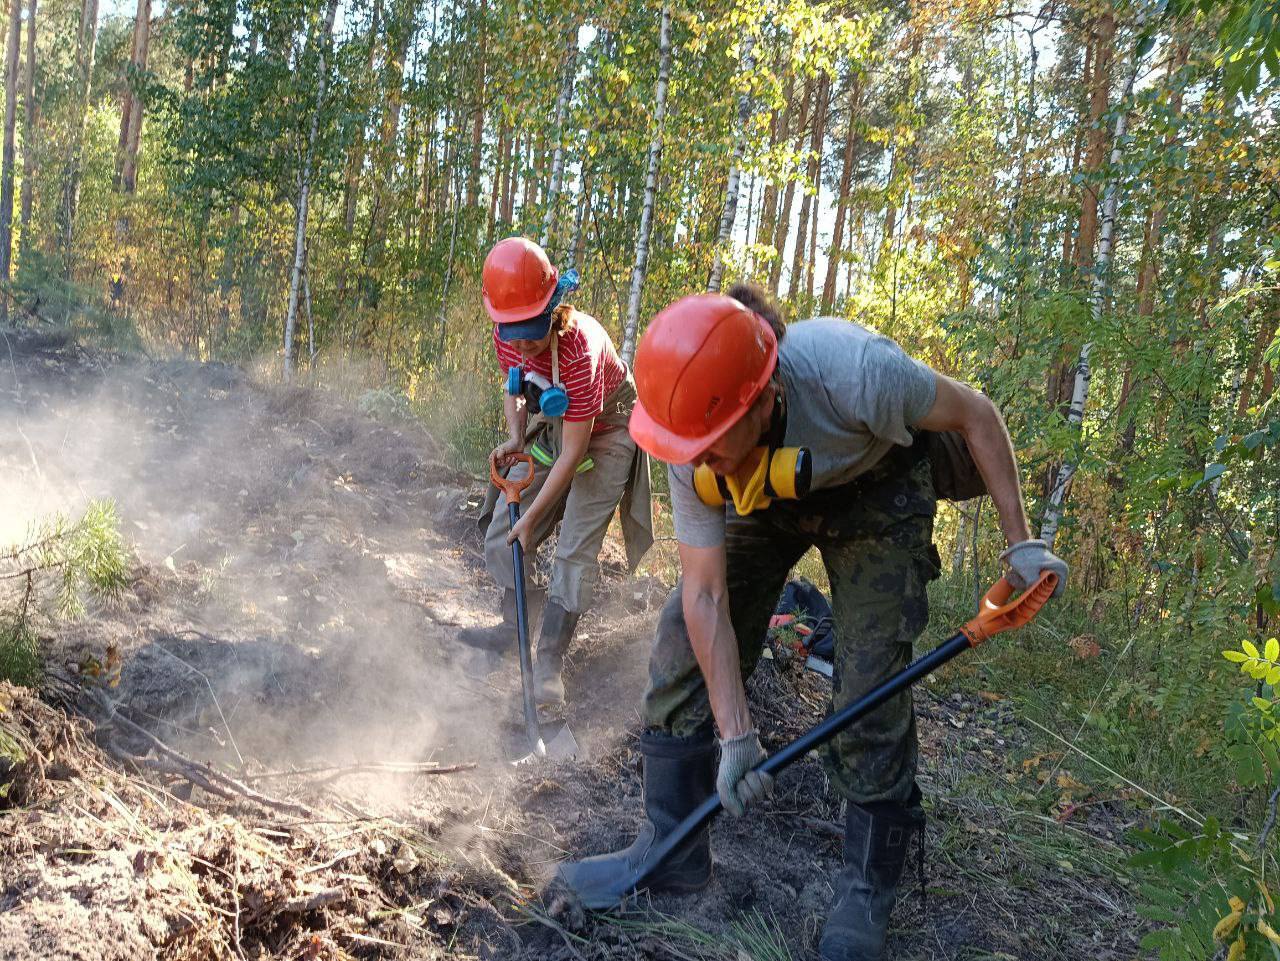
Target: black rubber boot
(558, 626)
(497, 639)
(876, 840)
(679, 774)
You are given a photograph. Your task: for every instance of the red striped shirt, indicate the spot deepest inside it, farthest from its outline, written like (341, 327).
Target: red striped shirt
(590, 369)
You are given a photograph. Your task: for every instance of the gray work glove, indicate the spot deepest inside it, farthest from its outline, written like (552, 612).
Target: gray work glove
(1027, 560)
(738, 785)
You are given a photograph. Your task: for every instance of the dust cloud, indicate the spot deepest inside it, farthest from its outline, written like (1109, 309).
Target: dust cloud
(298, 568)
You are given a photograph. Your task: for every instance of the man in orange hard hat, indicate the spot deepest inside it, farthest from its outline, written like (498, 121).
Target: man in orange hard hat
(566, 402)
(781, 439)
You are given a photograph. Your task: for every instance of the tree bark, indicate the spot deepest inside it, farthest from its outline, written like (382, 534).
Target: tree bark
(86, 44)
(6, 160)
(477, 120)
(816, 133)
(842, 199)
(735, 171)
(778, 134)
(788, 193)
(1104, 33)
(650, 187)
(304, 189)
(131, 116)
(30, 122)
(562, 114)
(1097, 301)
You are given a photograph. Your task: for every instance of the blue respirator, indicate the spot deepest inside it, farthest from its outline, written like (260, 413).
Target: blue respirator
(541, 396)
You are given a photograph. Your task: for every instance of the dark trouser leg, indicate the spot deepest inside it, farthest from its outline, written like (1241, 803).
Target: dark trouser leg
(759, 557)
(879, 586)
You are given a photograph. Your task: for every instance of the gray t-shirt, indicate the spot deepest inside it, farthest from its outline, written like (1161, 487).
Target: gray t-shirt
(851, 397)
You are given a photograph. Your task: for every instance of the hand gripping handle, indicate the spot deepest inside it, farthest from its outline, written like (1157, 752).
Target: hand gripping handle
(997, 613)
(512, 488)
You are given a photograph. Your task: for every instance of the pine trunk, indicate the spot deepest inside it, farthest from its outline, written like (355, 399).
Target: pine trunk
(1097, 301)
(842, 200)
(1103, 39)
(788, 193)
(131, 117)
(650, 188)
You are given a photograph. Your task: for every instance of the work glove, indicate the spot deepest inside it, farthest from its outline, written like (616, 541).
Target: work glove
(1027, 560)
(738, 785)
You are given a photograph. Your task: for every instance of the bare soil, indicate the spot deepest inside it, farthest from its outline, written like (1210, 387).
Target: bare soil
(300, 573)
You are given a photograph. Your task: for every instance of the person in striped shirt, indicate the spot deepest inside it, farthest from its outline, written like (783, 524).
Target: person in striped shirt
(584, 458)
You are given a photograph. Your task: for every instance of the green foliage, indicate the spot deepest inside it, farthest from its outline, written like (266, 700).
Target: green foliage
(50, 575)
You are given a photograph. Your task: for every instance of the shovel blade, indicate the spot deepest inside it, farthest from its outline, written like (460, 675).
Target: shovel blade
(564, 746)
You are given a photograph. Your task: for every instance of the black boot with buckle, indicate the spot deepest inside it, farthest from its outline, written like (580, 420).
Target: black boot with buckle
(679, 774)
(876, 841)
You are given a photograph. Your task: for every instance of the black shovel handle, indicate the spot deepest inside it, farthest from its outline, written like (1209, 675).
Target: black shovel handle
(531, 726)
(1014, 615)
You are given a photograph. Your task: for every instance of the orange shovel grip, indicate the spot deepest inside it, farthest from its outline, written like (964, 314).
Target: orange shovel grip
(997, 613)
(512, 488)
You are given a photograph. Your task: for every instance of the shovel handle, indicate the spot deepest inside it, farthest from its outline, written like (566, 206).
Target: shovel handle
(997, 613)
(512, 488)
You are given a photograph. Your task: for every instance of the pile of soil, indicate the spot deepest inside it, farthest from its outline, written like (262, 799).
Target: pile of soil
(300, 573)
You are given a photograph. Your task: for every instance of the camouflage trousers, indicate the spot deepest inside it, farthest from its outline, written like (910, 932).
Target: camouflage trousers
(875, 536)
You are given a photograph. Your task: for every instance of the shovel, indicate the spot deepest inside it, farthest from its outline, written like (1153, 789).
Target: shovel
(996, 614)
(563, 746)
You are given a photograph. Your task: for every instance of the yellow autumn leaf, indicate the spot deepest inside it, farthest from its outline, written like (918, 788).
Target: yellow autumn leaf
(1273, 649)
(1222, 930)
(1268, 932)
(1250, 648)
(1266, 895)
(1236, 904)
(1236, 951)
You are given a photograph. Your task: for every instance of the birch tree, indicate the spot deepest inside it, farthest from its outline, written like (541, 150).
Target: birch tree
(6, 160)
(304, 187)
(650, 187)
(86, 44)
(1097, 300)
(562, 113)
(730, 213)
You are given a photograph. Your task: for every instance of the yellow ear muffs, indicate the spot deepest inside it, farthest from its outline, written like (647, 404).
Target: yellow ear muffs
(709, 487)
(788, 477)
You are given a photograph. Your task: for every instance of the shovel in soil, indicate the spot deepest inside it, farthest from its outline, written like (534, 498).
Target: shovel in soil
(563, 745)
(997, 614)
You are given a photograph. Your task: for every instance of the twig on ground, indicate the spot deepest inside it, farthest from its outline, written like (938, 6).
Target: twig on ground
(386, 767)
(195, 771)
(312, 902)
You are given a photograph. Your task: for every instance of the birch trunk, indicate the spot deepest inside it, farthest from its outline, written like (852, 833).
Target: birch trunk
(562, 113)
(304, 190)
(86, 44)
(650, 188)
(1097, 300)
(29, 121)
(812, 174)
(735, 172)
(6, 160)
(779, 238)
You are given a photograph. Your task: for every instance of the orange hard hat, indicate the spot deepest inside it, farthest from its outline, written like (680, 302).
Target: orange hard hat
(518, 280)
(699, 367)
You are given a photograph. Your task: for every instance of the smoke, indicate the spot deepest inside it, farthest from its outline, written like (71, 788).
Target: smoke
(293, 599)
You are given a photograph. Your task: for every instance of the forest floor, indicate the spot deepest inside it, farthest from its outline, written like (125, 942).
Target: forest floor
(299, 573)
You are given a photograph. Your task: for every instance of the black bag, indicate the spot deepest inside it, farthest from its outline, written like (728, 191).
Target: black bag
(810, 609)
(955, 474)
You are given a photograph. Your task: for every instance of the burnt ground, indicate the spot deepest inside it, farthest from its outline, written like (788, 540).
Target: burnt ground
(298, 573)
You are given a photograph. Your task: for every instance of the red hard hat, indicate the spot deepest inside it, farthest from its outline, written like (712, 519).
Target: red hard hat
(518, 280)
(699, 367)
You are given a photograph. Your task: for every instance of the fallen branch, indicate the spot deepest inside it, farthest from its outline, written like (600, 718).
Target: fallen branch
(198, 773)
(312, 902)
(386, 767)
